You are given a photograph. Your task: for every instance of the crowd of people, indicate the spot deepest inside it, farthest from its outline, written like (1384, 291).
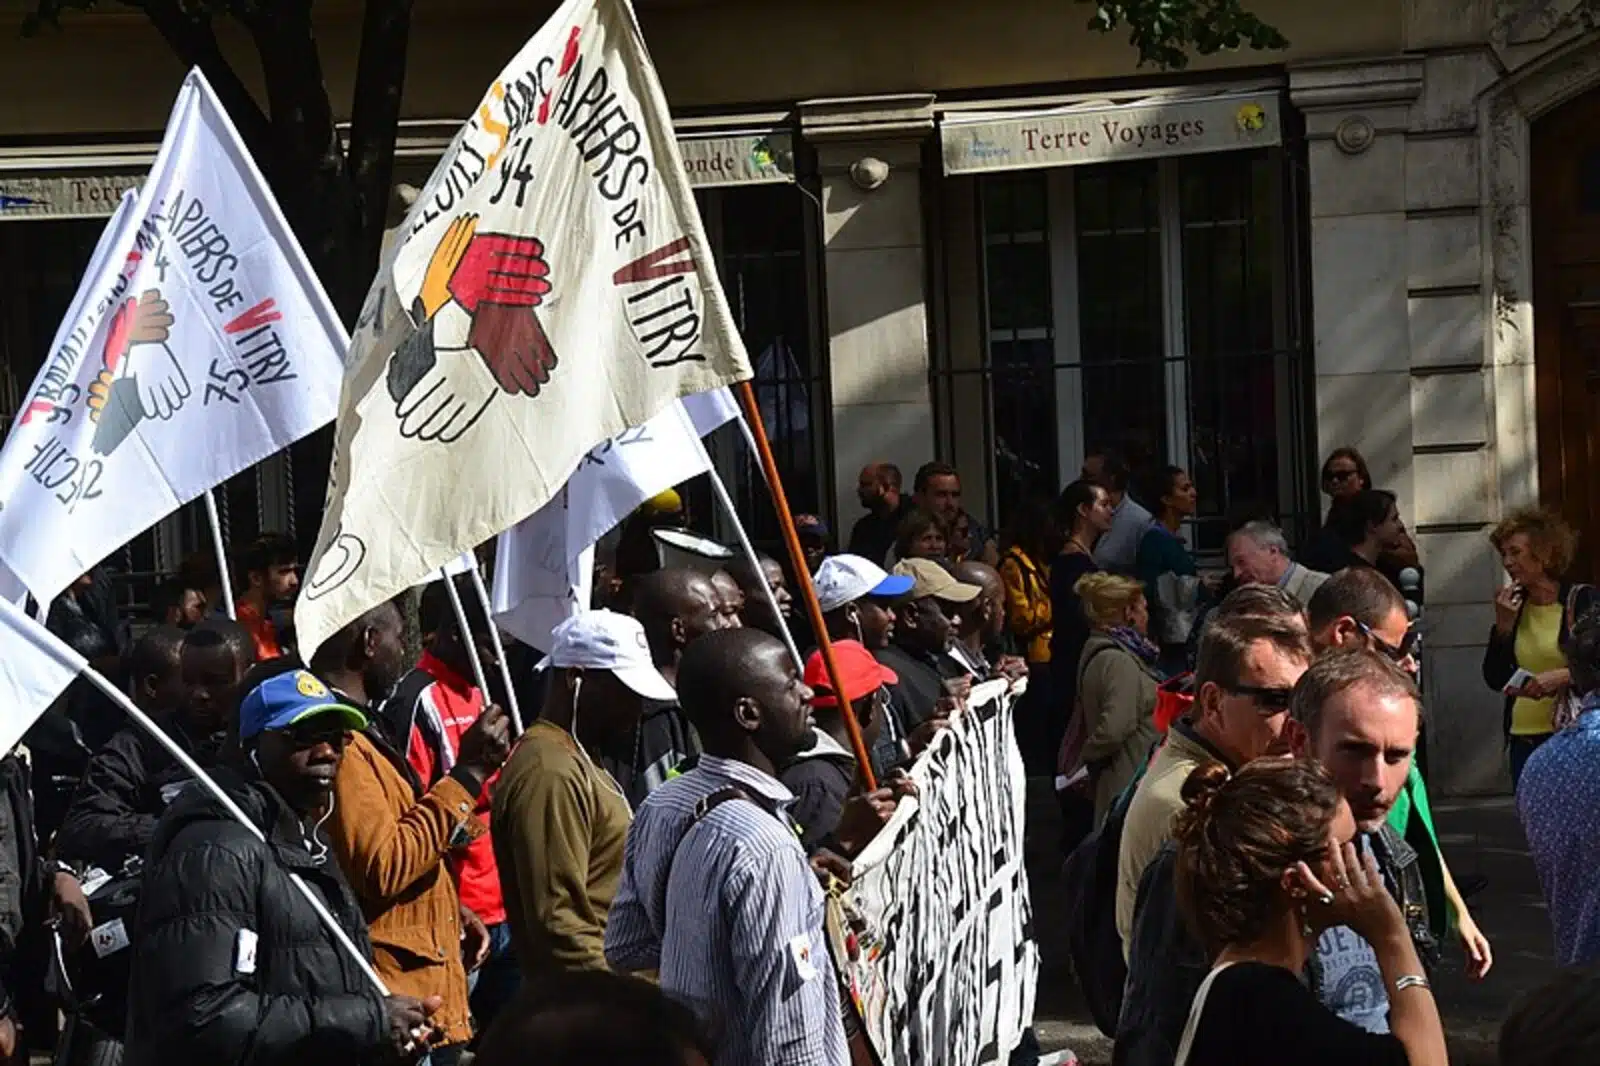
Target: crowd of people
(1253, 874)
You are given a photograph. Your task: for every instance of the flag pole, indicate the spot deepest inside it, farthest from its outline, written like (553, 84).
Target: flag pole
(499, 648)
(750, 553)
(466, 636)
(808, 592)
(222, 554)
(207, 782)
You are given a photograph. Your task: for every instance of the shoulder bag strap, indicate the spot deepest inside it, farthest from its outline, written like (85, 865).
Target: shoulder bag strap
(706, 805)
(1195, 1013)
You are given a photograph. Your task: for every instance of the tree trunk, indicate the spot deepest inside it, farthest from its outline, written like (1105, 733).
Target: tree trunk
(317, 197)
(375, 123)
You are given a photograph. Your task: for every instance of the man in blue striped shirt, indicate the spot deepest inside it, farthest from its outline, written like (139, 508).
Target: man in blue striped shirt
(716, 893)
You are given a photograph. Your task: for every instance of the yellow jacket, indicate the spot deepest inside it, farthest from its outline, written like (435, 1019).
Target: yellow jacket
(1027, 604)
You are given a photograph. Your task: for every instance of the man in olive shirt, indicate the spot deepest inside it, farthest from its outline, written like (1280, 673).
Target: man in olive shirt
(559, 821)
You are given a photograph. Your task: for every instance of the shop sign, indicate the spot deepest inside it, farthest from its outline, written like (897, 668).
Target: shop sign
(64, 196)
(750, 159)
(1081, 134)
(744, 159)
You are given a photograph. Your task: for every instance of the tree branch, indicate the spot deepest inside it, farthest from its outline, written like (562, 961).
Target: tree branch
(188, 32)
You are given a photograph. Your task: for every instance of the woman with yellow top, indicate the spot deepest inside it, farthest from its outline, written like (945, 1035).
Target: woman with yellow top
(1028, 621)
(1532, 617)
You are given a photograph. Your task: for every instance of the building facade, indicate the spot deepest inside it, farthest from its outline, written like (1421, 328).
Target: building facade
(984, 234)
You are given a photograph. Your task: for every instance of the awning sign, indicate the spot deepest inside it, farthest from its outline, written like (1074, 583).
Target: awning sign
(1090, 133)
(748, 159)
(78, 196)
(711, 161)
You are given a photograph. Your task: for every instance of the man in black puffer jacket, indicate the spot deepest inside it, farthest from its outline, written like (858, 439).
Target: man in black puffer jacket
(233, 965)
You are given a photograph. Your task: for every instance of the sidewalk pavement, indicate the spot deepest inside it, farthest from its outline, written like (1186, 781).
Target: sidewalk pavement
(1478, 836)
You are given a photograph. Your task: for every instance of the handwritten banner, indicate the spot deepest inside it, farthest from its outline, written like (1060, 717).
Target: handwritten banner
(945, 966)
(552, 287)
(199, 343)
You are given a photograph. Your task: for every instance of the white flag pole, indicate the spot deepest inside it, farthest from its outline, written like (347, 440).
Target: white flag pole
(499, 649)
(206, 782)
(466, 635)
(222, 554)
(750, 553)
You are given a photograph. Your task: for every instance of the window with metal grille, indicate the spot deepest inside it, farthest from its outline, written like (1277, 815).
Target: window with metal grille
(764, 238)
(1150, 306)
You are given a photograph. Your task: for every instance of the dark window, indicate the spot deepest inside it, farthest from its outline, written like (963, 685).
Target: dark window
(763, 240)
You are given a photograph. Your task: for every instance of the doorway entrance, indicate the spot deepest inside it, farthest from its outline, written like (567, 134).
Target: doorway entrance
(1566, 298)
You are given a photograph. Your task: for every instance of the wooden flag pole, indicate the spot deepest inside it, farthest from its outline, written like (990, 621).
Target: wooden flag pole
(808, 592)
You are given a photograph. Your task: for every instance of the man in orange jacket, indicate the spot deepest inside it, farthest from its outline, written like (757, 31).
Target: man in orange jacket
(393, 838)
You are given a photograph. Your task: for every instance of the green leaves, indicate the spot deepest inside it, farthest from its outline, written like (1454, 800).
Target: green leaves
(1166, 31)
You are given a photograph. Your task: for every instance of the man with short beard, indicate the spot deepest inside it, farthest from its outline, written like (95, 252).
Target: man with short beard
(395, 840)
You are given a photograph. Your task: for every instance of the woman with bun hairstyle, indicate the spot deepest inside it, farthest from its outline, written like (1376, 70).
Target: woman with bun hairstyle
(1265, 863)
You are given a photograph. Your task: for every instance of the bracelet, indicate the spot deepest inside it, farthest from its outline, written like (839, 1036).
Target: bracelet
(1411, 980)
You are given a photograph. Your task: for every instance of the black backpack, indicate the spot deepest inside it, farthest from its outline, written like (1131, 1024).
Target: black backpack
(1089, 881)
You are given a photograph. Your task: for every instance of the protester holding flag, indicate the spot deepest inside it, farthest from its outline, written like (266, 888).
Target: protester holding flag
(559, 820)
(393, 838)
(233, 963)
(823, 776)
(428, 717)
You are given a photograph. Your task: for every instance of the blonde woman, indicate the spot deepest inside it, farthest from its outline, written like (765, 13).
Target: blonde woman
(1117, 679)
(1533, 616)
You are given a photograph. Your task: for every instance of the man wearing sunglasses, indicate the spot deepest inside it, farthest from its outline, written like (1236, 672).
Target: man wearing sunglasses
(1251, 655)
(232, 962)
(1359, 608)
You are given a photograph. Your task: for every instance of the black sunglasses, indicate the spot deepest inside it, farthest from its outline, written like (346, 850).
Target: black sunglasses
(1269, 700)
(310, 735)
(1406, 650)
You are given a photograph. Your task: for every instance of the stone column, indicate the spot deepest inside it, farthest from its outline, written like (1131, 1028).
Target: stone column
(1356, 118)
(869, 153)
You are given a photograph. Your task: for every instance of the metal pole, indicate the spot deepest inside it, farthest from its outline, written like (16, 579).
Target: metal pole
(222, 554)
(466, 636)
(750, 554)
(499, 648)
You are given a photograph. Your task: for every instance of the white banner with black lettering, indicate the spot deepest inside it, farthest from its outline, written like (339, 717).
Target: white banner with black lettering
(944, 968)
(199, 343)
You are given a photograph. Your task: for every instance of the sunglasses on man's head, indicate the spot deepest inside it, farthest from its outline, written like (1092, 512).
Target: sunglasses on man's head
(1268, 700)
(1406, 650)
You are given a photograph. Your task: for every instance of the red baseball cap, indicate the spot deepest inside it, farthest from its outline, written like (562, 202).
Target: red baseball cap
(861, 673)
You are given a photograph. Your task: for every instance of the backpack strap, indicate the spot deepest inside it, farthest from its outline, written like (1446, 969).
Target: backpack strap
(707, 804)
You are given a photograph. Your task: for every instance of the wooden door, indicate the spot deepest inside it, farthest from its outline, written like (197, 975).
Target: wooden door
(1566, 292)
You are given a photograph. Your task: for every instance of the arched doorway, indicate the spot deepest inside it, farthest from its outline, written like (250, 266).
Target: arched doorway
(1565, 198)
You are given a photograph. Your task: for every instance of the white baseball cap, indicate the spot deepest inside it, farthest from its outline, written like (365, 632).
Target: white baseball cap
(843, 579)
(605, 640)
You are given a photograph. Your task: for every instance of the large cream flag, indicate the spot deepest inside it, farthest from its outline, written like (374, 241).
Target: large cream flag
(551, 288)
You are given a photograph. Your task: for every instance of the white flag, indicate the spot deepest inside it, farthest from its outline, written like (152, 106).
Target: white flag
(551, 287)
(35, 669)
(199, 344)
(544, 565)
